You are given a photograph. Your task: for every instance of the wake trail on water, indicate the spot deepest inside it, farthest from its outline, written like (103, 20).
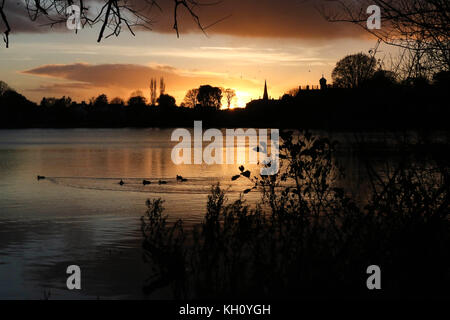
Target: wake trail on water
(193, 185)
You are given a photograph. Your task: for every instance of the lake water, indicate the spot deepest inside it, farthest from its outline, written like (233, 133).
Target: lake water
(80, 214)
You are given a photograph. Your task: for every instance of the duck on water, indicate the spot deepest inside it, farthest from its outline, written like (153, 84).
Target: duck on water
(181, 179)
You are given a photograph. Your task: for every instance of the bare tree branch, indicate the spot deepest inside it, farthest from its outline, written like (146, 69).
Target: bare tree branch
(417, 26)
(112, 15)
(5, 21)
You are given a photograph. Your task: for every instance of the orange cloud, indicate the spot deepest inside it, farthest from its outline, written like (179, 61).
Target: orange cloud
(81, 80)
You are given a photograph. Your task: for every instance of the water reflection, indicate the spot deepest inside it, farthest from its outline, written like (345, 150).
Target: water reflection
(81, 215)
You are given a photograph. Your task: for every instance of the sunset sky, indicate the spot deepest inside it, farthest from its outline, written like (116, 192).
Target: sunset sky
(287, 43)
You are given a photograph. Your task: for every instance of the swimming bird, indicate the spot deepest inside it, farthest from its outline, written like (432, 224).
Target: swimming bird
(145, 182)
(121, 182)
(40, 177)
(162, 182)
(181, 179)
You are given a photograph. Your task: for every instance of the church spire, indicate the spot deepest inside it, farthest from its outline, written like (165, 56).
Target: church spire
(266, 95)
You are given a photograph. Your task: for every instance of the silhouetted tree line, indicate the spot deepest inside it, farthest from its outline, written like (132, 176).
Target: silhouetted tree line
(17, 111)
(363, 96)
(379, 104)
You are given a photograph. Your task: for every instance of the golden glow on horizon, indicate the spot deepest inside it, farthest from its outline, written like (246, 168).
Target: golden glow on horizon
(241, 100)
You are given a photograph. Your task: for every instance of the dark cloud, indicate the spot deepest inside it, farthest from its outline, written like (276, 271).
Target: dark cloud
(246, 18)
(264, 18)
(19, 20)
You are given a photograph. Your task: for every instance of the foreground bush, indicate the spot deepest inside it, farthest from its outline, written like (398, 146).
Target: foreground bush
(307, 238)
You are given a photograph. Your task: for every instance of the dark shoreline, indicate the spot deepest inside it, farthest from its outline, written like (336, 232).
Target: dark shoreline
(345, 110)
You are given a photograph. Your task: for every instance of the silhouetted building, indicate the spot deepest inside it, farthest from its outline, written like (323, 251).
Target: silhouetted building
(266, 95)
(323, 83)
